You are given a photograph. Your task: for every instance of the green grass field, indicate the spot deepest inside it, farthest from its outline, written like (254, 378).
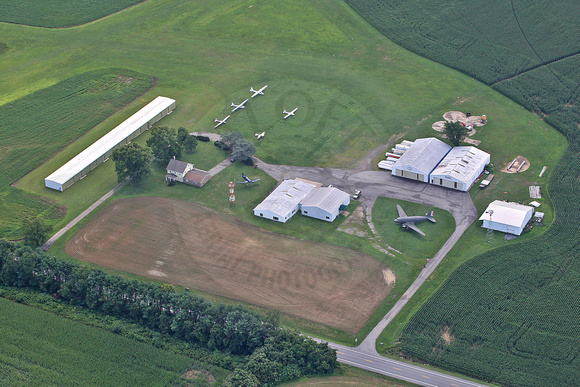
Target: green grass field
(355, 91)
(40, 348)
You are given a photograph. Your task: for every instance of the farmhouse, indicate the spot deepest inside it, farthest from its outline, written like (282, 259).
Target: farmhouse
(176, 170)
(324, 203)
(102, 149)
(185, 173)
(460, 168)
(420, 159)
(506, 217)
(283, 201)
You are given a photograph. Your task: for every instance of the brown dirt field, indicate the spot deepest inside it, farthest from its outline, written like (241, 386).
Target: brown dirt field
(186, 244)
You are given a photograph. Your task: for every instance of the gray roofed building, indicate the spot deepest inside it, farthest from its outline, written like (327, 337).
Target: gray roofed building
(460, 168)
(284, 201)
(324, 203)
(177, 169)
(177, 166)
(420, 159)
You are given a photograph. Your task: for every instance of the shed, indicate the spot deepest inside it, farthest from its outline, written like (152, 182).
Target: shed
(324, 203)
(284, 201)
(460, 168)
(420, 159)
(196, 177)
(506, 217)
(100, 151)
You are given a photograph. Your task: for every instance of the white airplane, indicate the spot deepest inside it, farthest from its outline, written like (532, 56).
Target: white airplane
(220, 122)
(257, 92)
(260, 135)
(240, 106)
(288, 114)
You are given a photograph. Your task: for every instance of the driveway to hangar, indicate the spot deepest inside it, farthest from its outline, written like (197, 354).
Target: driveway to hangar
(374, 184)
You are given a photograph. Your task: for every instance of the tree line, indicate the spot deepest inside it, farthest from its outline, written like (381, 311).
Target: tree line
(274, 354)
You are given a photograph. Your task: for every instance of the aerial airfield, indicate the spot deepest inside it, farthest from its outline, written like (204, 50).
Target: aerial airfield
(355, 244)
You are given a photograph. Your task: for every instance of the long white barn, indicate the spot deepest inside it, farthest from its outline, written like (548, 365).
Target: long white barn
(103, 148)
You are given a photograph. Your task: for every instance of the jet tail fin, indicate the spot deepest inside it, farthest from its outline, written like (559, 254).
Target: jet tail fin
(430, 215)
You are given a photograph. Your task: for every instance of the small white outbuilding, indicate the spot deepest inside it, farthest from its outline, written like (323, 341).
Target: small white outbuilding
(420, 159)
(460, 168)
(324, 203)
(506, 217)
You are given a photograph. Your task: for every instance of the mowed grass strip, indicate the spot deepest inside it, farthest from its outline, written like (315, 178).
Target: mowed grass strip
(188, 245)
(40, 348)
(59, 13)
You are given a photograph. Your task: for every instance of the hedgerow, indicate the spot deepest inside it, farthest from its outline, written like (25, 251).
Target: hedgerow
(214, 326)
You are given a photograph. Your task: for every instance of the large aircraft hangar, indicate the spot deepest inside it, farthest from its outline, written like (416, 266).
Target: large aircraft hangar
(420, 159)
(460, 168)
(102, 149)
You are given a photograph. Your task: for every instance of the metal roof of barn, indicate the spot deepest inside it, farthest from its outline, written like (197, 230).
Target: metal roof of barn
(462, 163)
(100, 147)
(509, 213)
(424, 154)
(285, 197)
(326, 198)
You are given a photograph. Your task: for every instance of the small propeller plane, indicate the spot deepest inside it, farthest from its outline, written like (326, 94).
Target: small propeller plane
(220, 122)
(408, 222)
(288, 114)
(240, 106)
(257, 92)
(260, 135)
(247, 180)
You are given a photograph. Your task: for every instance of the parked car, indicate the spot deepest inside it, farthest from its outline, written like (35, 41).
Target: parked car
(356, 195)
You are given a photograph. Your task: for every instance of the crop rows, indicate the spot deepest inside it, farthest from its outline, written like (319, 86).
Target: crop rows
(35, 127)
(50, 350)
(509, 315)
(513, 312)
(59, 13)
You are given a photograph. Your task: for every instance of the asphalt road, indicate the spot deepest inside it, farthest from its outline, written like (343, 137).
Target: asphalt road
(374, 184)
(398, 369)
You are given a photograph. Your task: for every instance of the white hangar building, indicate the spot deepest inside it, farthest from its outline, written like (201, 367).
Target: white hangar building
(460, 168)
(506, 217)
(102, 149)
(324, 203)
(420, 159)
(284, 201)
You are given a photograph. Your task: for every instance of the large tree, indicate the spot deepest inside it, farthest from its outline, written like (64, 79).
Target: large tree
(132, 161)
(240, 148)
(186, 140)
(163, 142)
(35, 232)
(455, 132)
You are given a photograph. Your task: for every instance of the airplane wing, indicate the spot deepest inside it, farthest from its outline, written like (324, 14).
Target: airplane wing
(414, 228)
(401, 212)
